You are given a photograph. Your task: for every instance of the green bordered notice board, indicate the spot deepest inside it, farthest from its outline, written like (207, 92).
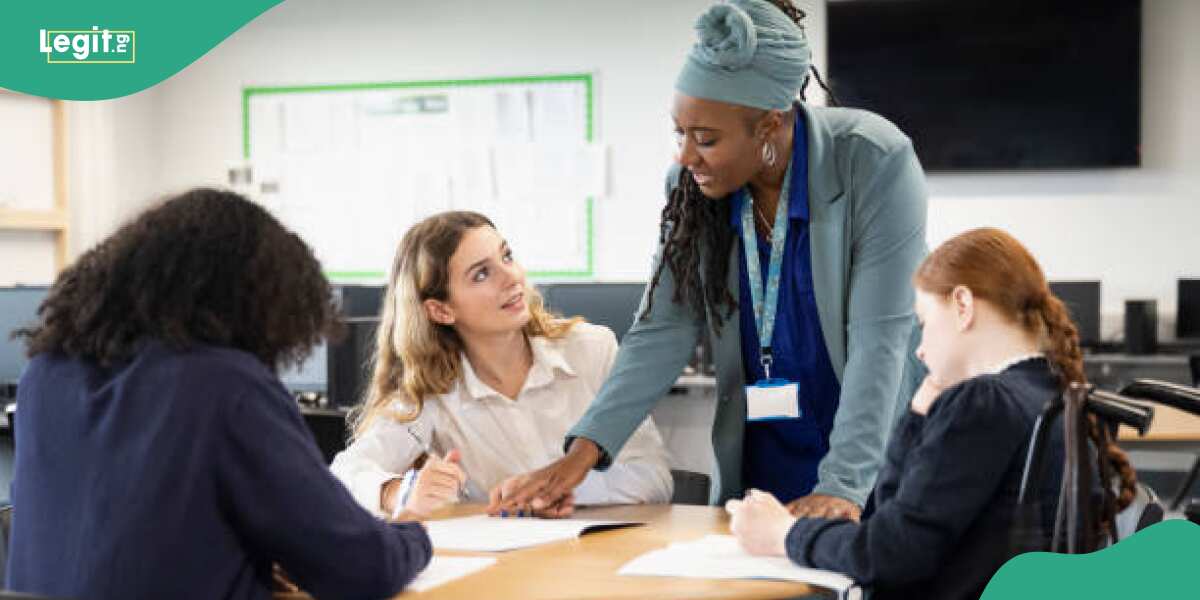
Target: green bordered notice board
(350, 167)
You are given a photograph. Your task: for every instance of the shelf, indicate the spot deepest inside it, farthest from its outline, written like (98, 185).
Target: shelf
(38, 220)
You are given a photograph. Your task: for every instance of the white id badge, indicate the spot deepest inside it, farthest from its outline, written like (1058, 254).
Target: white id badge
(772, 399)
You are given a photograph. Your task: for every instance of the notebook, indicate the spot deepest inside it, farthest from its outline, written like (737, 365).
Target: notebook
(720, 557)
(482, 533)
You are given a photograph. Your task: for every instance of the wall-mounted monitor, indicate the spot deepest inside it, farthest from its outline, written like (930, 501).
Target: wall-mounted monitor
(996, 84)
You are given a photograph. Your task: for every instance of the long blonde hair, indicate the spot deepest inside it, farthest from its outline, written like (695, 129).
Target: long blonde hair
(414, 356)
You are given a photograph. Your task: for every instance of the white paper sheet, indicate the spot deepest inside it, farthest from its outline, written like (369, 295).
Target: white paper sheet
(482, 533)
(720, 557)
(444, 569)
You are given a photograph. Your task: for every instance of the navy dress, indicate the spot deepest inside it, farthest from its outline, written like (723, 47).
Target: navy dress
(185, 475)
(946, 496)
(782, 456)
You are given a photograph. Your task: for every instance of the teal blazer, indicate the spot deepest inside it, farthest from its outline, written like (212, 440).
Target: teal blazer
(867, 201)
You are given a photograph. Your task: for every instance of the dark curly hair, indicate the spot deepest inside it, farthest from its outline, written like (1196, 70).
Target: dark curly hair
(204, 267)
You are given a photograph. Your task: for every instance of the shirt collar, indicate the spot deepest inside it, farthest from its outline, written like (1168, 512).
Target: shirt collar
(1014, 361)
(547, 358)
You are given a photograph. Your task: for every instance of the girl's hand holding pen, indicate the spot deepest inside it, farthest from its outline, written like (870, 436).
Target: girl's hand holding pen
(437, 484)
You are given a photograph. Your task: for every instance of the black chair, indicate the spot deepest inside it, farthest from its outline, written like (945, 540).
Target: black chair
(690, 487)
(1076, 515)
(1076, 520)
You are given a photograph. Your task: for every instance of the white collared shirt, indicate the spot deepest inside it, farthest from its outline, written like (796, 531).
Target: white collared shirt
(500, 437)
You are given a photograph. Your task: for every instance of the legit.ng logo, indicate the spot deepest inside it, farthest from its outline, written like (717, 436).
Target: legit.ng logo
(94, 46)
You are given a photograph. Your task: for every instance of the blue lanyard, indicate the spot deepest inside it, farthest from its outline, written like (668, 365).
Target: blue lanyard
(764, 308)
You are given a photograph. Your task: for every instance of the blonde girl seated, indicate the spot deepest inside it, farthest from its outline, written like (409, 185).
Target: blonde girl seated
(475, 382)
(999, 346)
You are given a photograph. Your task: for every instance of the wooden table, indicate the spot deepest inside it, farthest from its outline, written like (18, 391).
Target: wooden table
(587, 567)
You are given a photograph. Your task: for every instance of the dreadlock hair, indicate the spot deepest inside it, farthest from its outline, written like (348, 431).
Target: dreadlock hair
(691, 221)
(997, 268)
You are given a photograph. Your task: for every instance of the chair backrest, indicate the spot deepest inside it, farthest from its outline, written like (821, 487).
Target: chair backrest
(690, 487)
(1076, 524)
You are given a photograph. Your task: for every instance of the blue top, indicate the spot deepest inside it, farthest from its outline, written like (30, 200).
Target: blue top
(781, 456)
(185, 475)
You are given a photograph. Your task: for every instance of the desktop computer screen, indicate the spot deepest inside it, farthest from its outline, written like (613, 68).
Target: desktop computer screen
(359, 300)
(1187, 317)
(613, 305)
(609, 304)
(18, 308)
(356, 301)
(1083, 302)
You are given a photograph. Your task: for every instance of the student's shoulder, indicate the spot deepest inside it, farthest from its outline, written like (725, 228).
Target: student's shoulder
(586, 337)
(586, 346)
(989, 400)
(219, 372)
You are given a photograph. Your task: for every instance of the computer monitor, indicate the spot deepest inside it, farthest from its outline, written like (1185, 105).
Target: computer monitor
(355, 301)
(1083, 303)
(609, 304)
(349, 362)
(309, 376)
(359, 300)
(1187, 316)
(18, 308)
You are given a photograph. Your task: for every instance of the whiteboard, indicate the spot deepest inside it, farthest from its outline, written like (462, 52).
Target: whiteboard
(351, 167)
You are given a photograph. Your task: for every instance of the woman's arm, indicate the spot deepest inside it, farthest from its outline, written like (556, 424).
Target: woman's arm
(640, 474)
(970, 442)
(652, 354)
(381, 455)
(887, 245)
(286, 507)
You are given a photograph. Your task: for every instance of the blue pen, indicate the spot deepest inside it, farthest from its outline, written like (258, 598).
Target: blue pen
(428, 450)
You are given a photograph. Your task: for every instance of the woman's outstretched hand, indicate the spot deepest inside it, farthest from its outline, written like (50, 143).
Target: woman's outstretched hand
(547, 491)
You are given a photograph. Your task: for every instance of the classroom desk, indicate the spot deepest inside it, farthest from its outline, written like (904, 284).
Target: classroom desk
(587, 567)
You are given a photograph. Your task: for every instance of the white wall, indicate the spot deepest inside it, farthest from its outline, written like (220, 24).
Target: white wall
(26, 183)
(633, 47)
(1131, 227)
(113, 171)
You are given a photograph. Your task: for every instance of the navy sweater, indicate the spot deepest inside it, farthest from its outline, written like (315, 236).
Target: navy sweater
(185, 475)
(946, 496)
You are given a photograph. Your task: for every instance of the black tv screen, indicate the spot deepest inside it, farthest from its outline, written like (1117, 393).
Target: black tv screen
(995, 84)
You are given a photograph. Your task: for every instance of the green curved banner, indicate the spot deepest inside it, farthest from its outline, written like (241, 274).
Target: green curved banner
(79, 50)
(1157, 562)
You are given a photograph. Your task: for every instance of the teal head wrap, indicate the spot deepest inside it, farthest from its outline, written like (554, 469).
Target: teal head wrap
(747, 52)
